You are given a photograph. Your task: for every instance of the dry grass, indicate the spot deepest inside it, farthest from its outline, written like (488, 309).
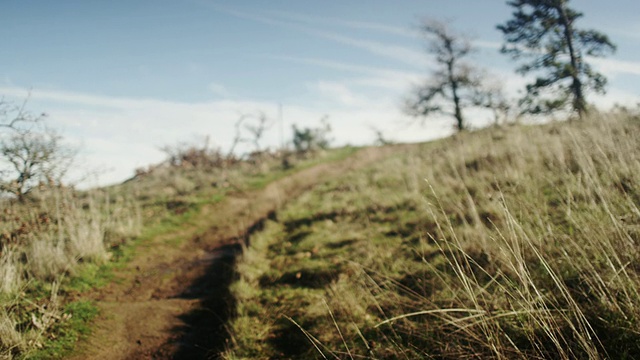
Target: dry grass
(10, 271)
(16, 337)
(516, 242)
(43, 241)
(62, 236)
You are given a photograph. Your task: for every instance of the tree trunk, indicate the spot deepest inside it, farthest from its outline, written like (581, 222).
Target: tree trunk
(579, 102)
(456, 98)
(458, 112)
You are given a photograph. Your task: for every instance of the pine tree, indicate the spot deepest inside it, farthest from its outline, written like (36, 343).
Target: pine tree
(545, 32)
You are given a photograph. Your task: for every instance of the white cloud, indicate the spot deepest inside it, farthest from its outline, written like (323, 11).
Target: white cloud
(616, 97)
(393, 80)
(337, 65)
(119, 134)
(397, 85)
(399, 53)
(612, 67)
(76, 98)
(339, 92)
(493, 45)
(364, 25)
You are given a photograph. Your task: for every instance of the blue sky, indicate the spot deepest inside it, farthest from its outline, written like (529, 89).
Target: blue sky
(122, 78)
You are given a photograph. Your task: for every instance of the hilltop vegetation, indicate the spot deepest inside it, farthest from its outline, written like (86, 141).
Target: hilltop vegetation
(507, 242)
(513, 242)
(57, 243)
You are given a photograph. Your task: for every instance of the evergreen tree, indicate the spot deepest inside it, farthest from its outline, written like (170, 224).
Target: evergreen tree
(545, 32)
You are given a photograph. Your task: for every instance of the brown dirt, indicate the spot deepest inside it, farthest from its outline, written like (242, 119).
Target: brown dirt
(173, 301)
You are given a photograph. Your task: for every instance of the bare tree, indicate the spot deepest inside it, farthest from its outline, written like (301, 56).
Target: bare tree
(237, 138)
(381, 140)
(490, 95)
(30, 158)
(455, 83)
(30, 154)
(15, 117)
(192, 154)
(257, 128)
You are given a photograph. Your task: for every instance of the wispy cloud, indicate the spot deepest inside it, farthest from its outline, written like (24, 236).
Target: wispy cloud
(415, 57)
(616, 97)
(403, 54)
(390, 79)
(362, 25)
(341, 93)
(613, 67)
(120, 134)
(73, 97)
(484, 44)
(407, 32)
(399, 53)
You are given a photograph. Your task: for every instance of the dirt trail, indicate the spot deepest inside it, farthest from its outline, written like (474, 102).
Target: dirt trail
(173, 301)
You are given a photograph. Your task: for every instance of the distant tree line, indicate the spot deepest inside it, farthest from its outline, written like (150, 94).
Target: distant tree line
(543, 35)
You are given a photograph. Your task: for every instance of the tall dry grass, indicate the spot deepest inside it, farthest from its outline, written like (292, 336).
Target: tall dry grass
(540, 229)
(16, 337)
(505, 243)
(44, 240)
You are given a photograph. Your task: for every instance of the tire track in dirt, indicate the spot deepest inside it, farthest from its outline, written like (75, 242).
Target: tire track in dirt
(173, 301)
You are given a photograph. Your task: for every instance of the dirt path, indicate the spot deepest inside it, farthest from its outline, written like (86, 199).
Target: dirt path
(172, 301)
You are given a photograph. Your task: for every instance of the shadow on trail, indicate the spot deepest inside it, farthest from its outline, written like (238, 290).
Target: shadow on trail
(205, 334)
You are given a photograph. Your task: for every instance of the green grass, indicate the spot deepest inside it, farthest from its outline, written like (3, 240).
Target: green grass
(126, 217)
(65, 334)
(515, 242)
(88, 277)
(263, 179)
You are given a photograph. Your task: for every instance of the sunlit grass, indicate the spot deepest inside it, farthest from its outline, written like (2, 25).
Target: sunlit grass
(73, 242)
(514, 242)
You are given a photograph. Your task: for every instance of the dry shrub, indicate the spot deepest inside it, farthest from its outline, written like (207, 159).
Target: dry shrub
(10, 271)
(85, 231)
(48, 258)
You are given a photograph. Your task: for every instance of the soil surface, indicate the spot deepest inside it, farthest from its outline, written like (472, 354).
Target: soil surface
(173, 301)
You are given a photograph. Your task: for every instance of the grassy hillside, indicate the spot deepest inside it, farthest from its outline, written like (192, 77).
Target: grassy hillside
(60, 243)
(516, 242)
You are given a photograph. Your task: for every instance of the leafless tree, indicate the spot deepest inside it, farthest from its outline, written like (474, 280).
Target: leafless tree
(256, 127)
(490, 95)
(30, 158)
(237, 137)
(454, 84)
(30, 154)
(192, 154)
(14, 117)
(381, 139)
